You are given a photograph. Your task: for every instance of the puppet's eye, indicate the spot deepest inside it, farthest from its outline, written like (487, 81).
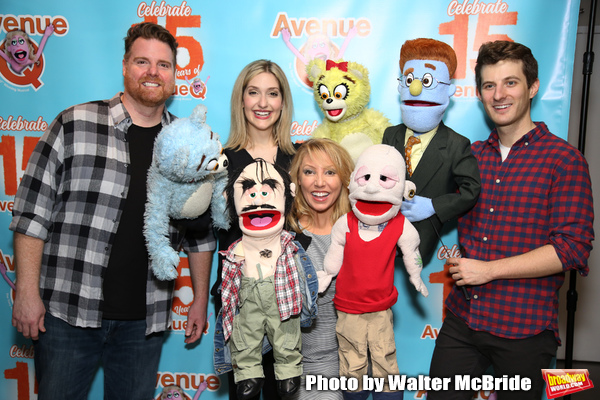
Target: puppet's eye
(253, 195)
(386, 182)
(264, 194)
(408, 79)
(324, 92)
(340, 92)
(362, 180)
(427, 80)
(212, 165)
(176, 395)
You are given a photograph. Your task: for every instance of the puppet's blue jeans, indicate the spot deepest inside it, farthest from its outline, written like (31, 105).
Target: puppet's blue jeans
(67, 359)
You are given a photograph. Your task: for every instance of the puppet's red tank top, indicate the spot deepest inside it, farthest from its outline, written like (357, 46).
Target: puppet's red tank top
(365, 282)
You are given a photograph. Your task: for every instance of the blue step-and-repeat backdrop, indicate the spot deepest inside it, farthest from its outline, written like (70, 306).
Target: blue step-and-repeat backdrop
(82, 61)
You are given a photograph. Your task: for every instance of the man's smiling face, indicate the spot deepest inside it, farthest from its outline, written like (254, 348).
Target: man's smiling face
(505, 95)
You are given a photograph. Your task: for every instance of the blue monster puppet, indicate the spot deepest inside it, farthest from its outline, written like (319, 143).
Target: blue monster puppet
(438, 160)
(187, 175)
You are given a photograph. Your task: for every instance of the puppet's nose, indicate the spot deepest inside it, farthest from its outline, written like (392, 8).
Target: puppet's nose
(416, 87)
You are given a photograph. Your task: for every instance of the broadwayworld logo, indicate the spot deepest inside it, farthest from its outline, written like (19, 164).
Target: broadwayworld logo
(562, 382)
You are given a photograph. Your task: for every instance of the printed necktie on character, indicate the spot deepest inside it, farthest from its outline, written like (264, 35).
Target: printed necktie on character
(407, 152)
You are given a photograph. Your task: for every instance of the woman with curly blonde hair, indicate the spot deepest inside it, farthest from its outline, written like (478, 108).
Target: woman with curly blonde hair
(321, 172)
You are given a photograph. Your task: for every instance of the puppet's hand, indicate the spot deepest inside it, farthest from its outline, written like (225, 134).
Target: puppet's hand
(419, 284)
(324, 280)
(285, 34)
(417, 209)
(49, 30)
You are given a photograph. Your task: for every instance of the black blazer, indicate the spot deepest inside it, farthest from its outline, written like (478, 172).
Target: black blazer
(447, 173)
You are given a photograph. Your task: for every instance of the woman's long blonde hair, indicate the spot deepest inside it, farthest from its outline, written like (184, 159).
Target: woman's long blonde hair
(238, 134)
(315, 149)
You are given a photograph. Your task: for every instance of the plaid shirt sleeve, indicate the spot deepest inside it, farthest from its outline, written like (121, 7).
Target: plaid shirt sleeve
(287, 281)
(572, 212)
(231, 281)
(32, 213)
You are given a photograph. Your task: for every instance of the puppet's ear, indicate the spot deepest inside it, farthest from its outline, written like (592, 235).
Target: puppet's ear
(410, 189)
(293, 189)
(452, 89)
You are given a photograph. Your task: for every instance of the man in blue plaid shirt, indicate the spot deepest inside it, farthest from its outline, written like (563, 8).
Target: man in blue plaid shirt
(533, 221)
(85, 293)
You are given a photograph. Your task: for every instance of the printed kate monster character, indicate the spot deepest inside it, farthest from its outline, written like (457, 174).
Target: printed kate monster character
(172, 392)
(19, 51)
(175, 392)
(3, 271)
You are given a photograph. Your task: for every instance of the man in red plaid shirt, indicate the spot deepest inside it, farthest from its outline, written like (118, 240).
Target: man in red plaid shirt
(533, 221)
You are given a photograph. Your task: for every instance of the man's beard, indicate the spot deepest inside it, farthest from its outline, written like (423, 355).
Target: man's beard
(149, 97)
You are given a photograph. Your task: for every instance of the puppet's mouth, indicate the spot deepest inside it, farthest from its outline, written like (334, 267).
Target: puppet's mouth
(336, 112)
(260, 220)
(20, 55)
(373, 207)
(420, 103)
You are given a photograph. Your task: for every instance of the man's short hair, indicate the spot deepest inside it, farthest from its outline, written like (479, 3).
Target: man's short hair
(150, 30)
(491, 53)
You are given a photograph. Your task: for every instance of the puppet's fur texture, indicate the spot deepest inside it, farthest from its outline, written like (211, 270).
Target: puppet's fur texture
(342, 91)
(187, 175)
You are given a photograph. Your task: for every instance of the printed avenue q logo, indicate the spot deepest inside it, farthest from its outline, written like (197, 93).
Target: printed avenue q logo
(22, 49)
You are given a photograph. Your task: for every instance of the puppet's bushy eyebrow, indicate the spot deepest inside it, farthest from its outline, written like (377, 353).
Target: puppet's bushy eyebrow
(247, 183)
(272, 183)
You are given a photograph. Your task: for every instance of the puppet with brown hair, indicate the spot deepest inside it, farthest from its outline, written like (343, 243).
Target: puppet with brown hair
(439, 160)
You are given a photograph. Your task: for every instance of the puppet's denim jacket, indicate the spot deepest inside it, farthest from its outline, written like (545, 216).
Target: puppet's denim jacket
(309, 287)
